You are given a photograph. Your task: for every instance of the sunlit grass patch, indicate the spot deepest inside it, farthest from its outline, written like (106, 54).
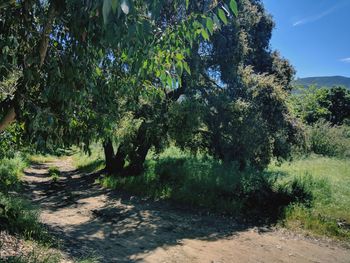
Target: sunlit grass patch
(329, 183)
(89, 163)
(205, 182)
(40, 158)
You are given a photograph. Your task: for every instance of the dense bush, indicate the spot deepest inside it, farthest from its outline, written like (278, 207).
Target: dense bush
(19, 216)
(328, 140)
(313, 104)
(10, 172)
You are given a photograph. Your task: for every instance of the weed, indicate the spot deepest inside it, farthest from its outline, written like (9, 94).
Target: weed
(54, 174)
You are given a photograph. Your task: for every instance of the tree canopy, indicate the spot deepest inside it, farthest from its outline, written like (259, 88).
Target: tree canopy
(141, 74)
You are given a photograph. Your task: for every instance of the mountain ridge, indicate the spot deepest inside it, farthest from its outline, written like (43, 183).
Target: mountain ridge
(324, 81)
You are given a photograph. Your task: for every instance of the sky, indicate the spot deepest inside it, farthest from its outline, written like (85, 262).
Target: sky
(314, 35)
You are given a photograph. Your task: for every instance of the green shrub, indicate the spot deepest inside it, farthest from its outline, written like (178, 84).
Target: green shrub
(333, 141)
(54, 174)
(19, 216)
(10, 173)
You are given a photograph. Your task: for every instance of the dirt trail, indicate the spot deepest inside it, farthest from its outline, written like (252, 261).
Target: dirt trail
(116, 227)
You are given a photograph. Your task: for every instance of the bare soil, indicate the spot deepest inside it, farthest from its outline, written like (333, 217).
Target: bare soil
(117, 227)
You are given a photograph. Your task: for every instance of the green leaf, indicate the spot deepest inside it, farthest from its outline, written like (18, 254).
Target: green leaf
(125, 6)
(115, 5)
(205, 34)
(210, 25)
(234, 8)
(187, 68)
(222, 16)
(169, 81)
(217, 21)
(179, 56)
(106, 9)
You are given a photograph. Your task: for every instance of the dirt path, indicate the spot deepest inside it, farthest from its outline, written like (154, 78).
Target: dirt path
(117, 227)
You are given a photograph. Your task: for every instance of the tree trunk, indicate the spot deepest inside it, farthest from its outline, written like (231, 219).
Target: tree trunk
(138, 156)
(114, 162)
(109, 155)
(10, 116)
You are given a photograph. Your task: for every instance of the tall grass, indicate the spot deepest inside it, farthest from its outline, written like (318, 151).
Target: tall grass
(89, 162)
(17, 215)
(205, 182)
(11, 172)
(310, 194)
(328, 180)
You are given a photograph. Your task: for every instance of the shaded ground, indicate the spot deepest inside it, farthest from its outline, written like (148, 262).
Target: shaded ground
(117, 227)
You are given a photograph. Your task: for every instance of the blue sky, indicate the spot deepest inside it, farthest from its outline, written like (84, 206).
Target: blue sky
(314, 35)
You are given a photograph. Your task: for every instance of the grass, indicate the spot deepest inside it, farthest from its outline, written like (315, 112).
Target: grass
(17, 215)
(328, 179)
(89, 163)
(38, 254)
(204, 182)
(41, 158)
(11, 171)
(310, 194)
(54, 174)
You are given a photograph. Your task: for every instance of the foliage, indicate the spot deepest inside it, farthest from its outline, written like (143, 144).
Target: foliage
(232, 105)
(250, 128)
(207, 183)
(11, 141)
(75, 59)
(10, 173)
(328, 140)
(328, 181)
(54, 174)
(313, 104)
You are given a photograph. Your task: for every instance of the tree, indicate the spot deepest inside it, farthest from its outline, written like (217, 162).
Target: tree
(313, 104)
(232, 106)
(67, 53)
(339, 105)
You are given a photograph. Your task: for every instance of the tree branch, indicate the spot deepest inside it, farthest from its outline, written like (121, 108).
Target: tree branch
(46, 34)
(10, 113)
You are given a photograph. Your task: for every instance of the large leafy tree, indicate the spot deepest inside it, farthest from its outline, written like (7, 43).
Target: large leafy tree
(232, 106)
(313, 104)
(76, 57)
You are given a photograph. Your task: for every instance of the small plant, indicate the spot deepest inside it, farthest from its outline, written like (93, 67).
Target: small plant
(54, 174)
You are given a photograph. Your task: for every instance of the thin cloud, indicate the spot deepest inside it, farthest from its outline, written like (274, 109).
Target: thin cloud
(345, 60)
(314, 18)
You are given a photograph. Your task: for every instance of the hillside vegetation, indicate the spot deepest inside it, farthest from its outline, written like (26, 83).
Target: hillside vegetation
(324, 81)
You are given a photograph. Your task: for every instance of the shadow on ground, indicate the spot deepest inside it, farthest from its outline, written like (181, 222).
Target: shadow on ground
(115, 226)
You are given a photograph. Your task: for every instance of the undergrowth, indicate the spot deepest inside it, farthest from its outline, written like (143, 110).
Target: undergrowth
(204, 182)
(328, 180)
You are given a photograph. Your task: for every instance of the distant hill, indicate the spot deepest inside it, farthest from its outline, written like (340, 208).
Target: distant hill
(324, 81)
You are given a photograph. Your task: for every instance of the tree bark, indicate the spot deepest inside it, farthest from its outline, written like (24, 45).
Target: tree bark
(114, 162)
(46, 34)
(10, 116)
(109, 155)
(138, 156)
